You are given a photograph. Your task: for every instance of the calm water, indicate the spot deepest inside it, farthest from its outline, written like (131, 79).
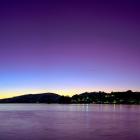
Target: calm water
(69, 122)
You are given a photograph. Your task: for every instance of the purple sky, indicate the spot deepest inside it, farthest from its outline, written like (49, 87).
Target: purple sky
(69, 46)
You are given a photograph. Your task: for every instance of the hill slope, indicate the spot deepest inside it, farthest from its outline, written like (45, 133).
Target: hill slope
(33, 98)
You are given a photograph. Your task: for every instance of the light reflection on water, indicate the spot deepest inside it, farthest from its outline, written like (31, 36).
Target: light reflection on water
(69, 122)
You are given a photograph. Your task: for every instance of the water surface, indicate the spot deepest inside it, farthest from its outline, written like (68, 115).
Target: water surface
(69, 122)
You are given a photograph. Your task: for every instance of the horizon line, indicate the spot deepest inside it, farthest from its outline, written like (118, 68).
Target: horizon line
(73, 94)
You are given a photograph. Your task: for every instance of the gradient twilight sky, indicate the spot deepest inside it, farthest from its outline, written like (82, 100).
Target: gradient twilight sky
(69, 46)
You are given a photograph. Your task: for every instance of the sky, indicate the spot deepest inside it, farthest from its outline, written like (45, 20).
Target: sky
(69, 46)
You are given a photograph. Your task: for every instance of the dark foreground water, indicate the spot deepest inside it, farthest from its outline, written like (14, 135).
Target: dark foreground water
(69, 122)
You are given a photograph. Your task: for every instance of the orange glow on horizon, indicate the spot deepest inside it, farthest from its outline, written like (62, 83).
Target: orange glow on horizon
(65, 92)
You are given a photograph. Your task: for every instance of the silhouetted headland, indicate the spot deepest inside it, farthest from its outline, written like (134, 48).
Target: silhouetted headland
(127, 97)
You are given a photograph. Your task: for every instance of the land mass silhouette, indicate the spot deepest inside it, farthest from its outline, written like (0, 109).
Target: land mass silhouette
(127, 97)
